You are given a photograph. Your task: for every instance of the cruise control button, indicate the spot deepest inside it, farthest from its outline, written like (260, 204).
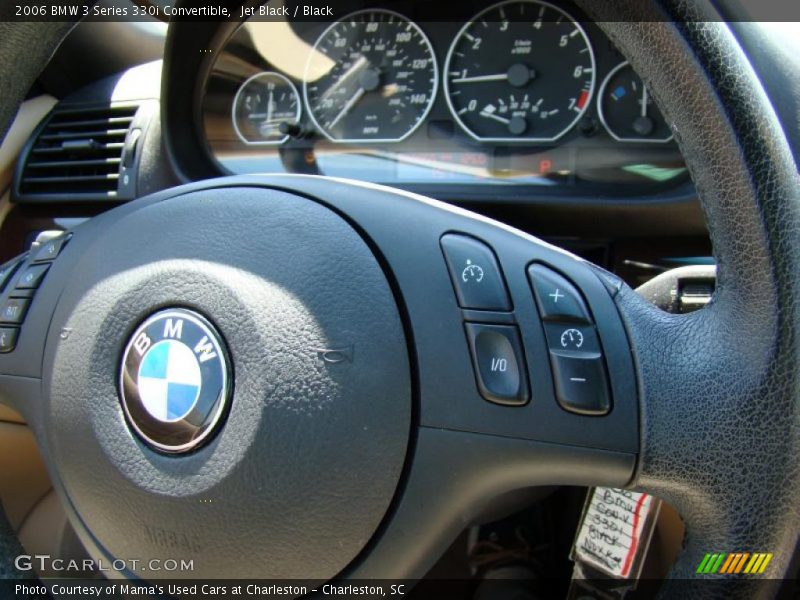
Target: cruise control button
(13, 310)
(50, 250)
(32, 277)
(556, 297)
(476, 276)
(499, 363)
(566, 337)
(580, 383)
(8, 339)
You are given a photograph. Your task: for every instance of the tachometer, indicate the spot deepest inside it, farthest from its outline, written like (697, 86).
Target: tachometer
(371, 77)
(262, 104)
(520, 71)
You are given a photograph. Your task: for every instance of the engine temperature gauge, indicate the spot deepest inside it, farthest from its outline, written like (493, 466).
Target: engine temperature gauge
(627, 110)
(264, 102)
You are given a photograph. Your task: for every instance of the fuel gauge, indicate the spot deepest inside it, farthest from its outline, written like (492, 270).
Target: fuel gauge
(627, 110)
(263, 103)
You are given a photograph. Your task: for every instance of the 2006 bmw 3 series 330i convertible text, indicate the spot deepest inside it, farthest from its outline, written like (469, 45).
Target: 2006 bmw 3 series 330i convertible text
(395, 298)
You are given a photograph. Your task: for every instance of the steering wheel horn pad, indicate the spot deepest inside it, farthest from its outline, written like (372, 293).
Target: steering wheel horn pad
(281, 286)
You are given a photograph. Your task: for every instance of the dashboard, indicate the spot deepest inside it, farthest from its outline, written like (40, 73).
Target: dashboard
(523, 93)
(476, 104)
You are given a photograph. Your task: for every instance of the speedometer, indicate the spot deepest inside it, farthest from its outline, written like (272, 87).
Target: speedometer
(520, 71)
(371, 77)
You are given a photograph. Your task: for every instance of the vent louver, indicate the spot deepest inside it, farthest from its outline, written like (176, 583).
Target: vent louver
(77, 154)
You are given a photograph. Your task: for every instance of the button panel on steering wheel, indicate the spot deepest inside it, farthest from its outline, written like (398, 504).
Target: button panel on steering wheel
(576, 357)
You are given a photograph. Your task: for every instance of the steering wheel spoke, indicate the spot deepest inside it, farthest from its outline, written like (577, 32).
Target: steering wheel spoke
(454, 476)
(512, 337)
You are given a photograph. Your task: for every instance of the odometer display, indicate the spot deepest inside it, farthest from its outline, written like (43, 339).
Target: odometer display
(520, 71)
(371, 77)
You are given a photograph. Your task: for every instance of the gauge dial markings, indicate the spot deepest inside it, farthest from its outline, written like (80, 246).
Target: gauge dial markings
(537, 50)
(261, 105)
(628, 111)
(377, 81)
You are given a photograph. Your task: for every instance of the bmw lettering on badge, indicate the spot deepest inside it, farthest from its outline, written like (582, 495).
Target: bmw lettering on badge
(174, 383)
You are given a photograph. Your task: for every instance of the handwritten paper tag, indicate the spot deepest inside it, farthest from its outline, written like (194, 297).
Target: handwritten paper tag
(612, 535)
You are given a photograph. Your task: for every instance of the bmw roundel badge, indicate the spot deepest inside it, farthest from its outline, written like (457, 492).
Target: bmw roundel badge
(174, 383)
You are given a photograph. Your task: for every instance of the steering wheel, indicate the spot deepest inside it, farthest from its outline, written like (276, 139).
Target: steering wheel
(349, 409)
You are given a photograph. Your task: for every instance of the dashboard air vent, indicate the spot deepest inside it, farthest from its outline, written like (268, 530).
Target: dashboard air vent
(77, 155)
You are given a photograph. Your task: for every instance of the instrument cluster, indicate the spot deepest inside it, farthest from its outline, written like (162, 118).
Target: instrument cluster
(522, 92)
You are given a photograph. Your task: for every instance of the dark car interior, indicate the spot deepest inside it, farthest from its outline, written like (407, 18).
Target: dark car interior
(468, 269)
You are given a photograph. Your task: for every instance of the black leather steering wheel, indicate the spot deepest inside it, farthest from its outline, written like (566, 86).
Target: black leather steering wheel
(356, 441)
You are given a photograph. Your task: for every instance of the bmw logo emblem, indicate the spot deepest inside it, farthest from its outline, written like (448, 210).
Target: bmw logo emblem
(174, 383)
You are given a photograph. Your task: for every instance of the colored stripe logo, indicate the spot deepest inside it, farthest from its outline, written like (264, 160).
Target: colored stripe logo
(734, 563)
